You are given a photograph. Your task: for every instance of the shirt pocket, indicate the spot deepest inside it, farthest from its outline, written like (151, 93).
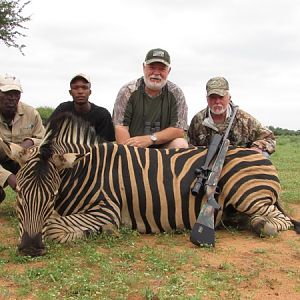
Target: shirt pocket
(26, 131)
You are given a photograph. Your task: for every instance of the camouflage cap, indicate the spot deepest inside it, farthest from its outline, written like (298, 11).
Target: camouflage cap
(158, 55)
(217, 85)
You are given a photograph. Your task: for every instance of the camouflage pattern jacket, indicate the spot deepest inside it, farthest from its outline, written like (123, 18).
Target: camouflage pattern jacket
(246, 131)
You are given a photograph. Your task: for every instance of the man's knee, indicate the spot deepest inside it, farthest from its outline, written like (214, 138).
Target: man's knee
(178, 143)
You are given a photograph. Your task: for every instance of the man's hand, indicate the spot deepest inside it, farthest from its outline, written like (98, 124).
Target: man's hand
(11, 181)
(142, 141)
(264, 153)
(256, 149)
(27, 143)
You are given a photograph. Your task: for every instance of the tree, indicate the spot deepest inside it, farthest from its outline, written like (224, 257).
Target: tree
(11, 22)
(282, 131)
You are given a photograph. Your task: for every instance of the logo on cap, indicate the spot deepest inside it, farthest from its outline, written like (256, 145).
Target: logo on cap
(158, 55)
(10, 83)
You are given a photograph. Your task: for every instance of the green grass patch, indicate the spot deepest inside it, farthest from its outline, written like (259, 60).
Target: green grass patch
(134, 267)
(287, 161)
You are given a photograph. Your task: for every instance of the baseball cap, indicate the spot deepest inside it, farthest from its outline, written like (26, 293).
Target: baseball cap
(81, 75)
(158, 55)
(217, 85)
(9, 83)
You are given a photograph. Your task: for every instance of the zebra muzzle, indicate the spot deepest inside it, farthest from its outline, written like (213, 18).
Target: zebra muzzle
(31, 246)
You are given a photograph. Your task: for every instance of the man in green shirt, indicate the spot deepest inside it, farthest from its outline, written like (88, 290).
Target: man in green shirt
(151, 111)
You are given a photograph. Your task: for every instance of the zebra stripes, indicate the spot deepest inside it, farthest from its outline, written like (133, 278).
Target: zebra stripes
(64, 196)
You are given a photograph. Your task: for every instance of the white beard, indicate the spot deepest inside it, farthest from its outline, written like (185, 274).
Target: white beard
(155, 85)
(218, 109)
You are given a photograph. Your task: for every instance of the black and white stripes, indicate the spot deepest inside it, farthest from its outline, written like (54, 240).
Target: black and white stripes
(146, 189)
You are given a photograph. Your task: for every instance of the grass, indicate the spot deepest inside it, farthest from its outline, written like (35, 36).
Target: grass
(164, 266)
(287, 161)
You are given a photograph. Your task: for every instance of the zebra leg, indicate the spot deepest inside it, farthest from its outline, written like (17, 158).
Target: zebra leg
(64, 229)
(232, 218)
(269, 220)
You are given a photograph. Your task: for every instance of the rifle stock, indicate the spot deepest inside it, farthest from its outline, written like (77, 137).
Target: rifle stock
(203, 232)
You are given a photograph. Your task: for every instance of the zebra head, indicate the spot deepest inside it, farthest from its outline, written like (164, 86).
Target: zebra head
(38, 182)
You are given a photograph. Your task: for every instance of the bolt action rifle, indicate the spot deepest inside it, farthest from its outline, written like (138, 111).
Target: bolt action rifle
(203, 231)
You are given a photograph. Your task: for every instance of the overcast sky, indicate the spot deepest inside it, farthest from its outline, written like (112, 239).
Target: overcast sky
(255, 44)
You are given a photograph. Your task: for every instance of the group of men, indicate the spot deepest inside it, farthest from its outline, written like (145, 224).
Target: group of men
(148, 112)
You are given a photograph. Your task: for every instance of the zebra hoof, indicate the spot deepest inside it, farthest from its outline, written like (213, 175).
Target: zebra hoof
(110, 229)
(269, 230)
(264, 229)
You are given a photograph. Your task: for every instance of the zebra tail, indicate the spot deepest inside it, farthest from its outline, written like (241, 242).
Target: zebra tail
(295, 223)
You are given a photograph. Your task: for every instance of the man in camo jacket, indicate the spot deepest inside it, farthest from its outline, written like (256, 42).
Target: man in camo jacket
(246, 131)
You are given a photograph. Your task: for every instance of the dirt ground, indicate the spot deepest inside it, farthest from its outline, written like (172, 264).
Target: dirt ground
(276, 261)
(271, 265)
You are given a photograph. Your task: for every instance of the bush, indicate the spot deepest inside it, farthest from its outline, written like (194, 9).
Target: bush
(282, 131)
(45, 112)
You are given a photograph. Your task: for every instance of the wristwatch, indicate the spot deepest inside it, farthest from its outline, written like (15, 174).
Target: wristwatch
(153, 138)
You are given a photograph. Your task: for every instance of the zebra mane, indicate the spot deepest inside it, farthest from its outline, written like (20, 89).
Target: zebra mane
(67, 132)
(68, 128)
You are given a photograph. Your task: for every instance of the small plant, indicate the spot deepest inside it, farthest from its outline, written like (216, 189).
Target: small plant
(259, 250)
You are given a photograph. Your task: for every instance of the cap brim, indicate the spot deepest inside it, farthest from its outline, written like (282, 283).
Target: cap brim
(150, 61)
(10, 87)
(220, 92)
(85, 77)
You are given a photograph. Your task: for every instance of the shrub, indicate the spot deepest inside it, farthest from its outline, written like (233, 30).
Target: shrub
(45, 112)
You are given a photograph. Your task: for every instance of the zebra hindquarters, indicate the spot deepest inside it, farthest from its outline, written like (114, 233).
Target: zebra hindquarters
(250, 184)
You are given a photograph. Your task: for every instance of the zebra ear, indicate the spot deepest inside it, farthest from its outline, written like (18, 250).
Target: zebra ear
(15, 152)
(67, 160)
